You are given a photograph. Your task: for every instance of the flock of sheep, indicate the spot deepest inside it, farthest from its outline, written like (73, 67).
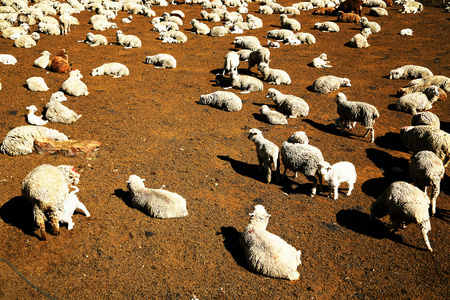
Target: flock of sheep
(47, 187)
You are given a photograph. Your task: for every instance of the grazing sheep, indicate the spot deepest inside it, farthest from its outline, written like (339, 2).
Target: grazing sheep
(161, 61)
(280, 34)
(32, 119)
(222, 100)
(65, 21)
(274, 76)
(71, 204)
(411, 103)
(327, 26)
(258, 56)
(291, 24)
(272, 117)
(438, 80)
(56, 112)
(267, 253)
(305, 37)
(378, 12)
(426, 118)
(95, 39)
(290, 105)
(231, 62)
(199, 28)
(43, 61)
(348, 17)
(46, 188)
(50, 29)
(343, 171)
(426, 169)
(321, 61)
(158, 203)
(74, 86)
(405, 204)
(60, 63)
(373, 26)
(360, 39)
(267, 153)
(7, 59)
(177, 37)
(246, 42)
(27, 41)
(218, 31)
(353, 111)
(246, 83)
(20, 140)
(37, 84)
(410, 71)
(329, 83)
(114, 69)
(128, 41)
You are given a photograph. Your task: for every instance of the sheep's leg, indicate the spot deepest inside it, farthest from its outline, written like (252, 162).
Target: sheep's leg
(81, 207)
(268, 173)
(314, 187)
(277, 169)
(336, 192)
(350, 188)
(39, 219)
(54, 222)
(425, 228)
(435, 193)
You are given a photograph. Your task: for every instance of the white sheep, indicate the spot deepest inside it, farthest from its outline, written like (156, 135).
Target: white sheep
(71, 204)
(274, 45)
(246, 83)
(211, 17)
(426, 118)
(299, 137)
(158, 203)
(15, 32)
(74, 86)
(218, 31)
(95, 39)
(246, 42)
(414, 102)
(244, 54)
(20, 140)
(405, 204)
(321, 61)
(231, 62)
(32, 119)
(410, 71)
(290, 105)
(265, 10)
(7, 59)
(27, 41)
(329, 83)
(305, 38)
(378, 12)
(199, 28)
(258, 56)
(288, 23)
(50, 29)
(304, 5)
(268, 154)
(102, 25)
(66, 21)
(56, 112)
(43, 61)
(374, 3)
(128, 41)
(255, 21)
(222, 100)
(373, 26)
(406, 31)
(438, 80)
(353, 111)
(267, 253)
(114, 69)
(360, 39)
(177, 37)
(280, 34)
(334, 175)
(37, 84)
(161, 60)
(274, 76)
(272, 117)
(327, 26)
(46, 188)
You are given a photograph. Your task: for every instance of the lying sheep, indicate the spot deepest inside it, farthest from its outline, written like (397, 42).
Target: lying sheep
(421, 88)
(56, 112)
(222, 100)
(246, 83)
(46, 188)
(32, 119)
(27, 41)
(360, 39)
(375, 3)
(321, 61)
(406, 31)
(50, 29)
(102, 25)
(71, 204)
(267, 154)
(290, 105)
(231, 62)
(114, 69)
(288, 23)
(353, 111)
(265, 10)
(161, 61)
(378, 12)
(7, 59)
(405, 204)
(95, 39)
(274, 76)
(373, 26)
(426, 118)
(324, 11)
(327, 26)
(280, 34)
(410, 71)
(348, 17)
(257, 22)
(199, 28)
(426, 169)
(218, 31)
(267, 253)
(14, 32)
(414, 102)
(438, 80)
(329, 83)
(128, 41)
(258, 56)
(272, 117)
(37, 84)
(343, 171)
(43, 61)
(60, 62)
(246, 42)
(305, 37)
(211, 17)
(158, 203)
(299, 137)
(74, 86)
(177, 37)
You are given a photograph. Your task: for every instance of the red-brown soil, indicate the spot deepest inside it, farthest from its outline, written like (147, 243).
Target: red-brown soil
(151, 125)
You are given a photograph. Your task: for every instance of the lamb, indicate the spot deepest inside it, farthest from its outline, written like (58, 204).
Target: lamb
(114, 69)
(43, 61)
(20, 140)
(7, 59)
(74, 86)
(280, 34)
(158, 203)
(56, 112)
(94, 39)
(321, 61)
(246, 42)
(246, 83)
(327, 26)
(102, 25)
(50, 29)
(60, 63)
(267, 253)
(289, 105)
(199, 28)
(414, 102)
(27, 41)
(258, 56)
(231, 62)
(128, 41)
(211, 17)
(405, 204)
(329, 83)
(343, 171)
(439, 80)
(353, 111)
(46, 188)
(406, 31)
(274, 45)
(272, 117)
(360, 39)
(274, 76)
(265, 10)
(348, 17)
(222, 100)
(291, 24)
(178, 37)
(71, 204)
(373, 26)
(37, 84)
(32, 119)
(303, 158)
(218, 31)
(305, 38)
(267, 153)
(161, 61)
(426, 118)
(410, 71)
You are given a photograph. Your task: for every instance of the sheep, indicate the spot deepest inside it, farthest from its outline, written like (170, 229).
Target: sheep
(334, 175)
(15, 32)
(60, 63)
(291, 24)
(157, 203)
(74, 86)
(360, 39)
(277, 8)
(303, 158)
(43, 61)
(20, 140)
(95, 39)
(71, 204)
(272, 117)
(128, 41)
(440, 81)
(50, 29)
(127, 20)
(114, 69)
(410, 71)
(305, 5)
(305, 38)
(199, 28)
(218, 31)
(321, 61)
(411, 103)
(257, 22)
(56, 112)
(425, 137)
(37, 84)
(375, 3)
(274, 76)
(299, 137)
(265, 10)
(177, 36)
(102, 25)
(274, 45)
(323, 11)
(354, 111)
(211, 17)
(246, 83)
(347, 6)
(161, 61)
(65, 21)
(32, 119)
(46, 188)
(27, 41)
(405, 204)
(267, 154)
(280, 34)
(244, 54)
(290, 105)
(258, 56)
(172, 18)
(231, 62)
(329, 83)
(348, 17)
(406, 31)
(7, 59)
(373, 26)
(327, 26)
(378, 12)
(226, 101)
(426, 118)
(246, 42)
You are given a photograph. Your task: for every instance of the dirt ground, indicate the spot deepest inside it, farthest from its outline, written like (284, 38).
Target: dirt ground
(151, 125)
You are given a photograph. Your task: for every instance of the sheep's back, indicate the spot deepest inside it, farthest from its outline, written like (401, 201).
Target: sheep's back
(361, 112)
(160, 203)
(303, 158)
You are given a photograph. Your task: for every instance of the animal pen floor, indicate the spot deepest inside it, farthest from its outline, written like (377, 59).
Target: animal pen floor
(151, 125)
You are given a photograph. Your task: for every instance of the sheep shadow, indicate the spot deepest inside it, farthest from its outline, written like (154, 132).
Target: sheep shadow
(375, 186)
(394, 167)
(244, 169)
(18, 213)
(125, 196)
(391, 141)
(231, 242)
(445, 126)
(328, 128)
(291, 186)
(442, 214)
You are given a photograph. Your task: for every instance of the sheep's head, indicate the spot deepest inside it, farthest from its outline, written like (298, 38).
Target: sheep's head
(298, 137)
(35, 36)
(340, 97)
(283, 17)
(71, 176)
(31, 108)
(262, 67)
(396, 74)
(46, 53)
(345, 82)
(135, 183)
(317, 25)
(366, 32)
(259, 216)
(253, 133)
(264, 109)
(75, 73)
(323, 56)
(97, 71)
(272, 93)
(89, 37)
(324, 168)
(119, 33)
(58, 96)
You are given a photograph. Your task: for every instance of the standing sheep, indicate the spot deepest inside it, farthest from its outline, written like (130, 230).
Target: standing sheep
(231, 62)
(414, 102)
(274, 76)
(71, 204)
(128, 41)
(114, 69)
(267, 153)
(343, 171)
(56, 112)
(258, 56)
(290, 105)
(329, 83)
(161, 61)
(267, 253)
(222, 100)
(410, 71)
(157, 203)
(272, 117)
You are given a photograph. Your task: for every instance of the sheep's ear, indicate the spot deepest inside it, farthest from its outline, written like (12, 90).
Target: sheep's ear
(128, 181)
(143, 179)
(329, 169)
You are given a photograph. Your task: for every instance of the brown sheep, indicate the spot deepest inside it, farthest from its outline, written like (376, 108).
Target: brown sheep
(347, 6)
(60, 63)
(348, 17)
(323, 11)
(420, 88)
